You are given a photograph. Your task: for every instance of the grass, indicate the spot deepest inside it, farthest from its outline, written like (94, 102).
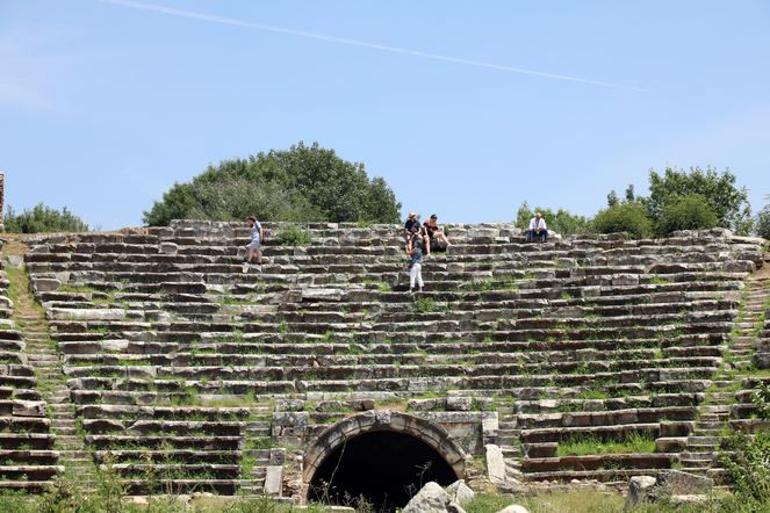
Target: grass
(581, 446)
(427, 304)
(505, 282)
(293, 235)
(594, 501)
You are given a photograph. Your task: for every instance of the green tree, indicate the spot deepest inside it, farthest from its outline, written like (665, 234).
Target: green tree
(303, 183)
(728, 202)
(43, 218)
(690, 212)
(628, 216)
(560, 221)
(762, 223)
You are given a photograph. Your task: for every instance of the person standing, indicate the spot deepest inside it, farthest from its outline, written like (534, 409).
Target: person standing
(415, 268)
(537, 229)
(254, 248)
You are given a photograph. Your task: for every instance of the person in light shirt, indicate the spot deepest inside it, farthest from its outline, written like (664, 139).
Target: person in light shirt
(537, 229)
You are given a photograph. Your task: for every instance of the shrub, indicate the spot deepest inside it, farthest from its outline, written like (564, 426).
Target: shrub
(43, 218)
(729, 202)
(690, 212)
(630, 217)
(293, 235)
(748, 466)
(763, 222)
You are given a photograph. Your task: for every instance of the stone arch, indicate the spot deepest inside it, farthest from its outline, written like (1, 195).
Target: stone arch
(433, 435)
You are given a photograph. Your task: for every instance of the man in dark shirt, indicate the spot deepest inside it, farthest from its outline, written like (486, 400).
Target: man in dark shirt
(412, 229)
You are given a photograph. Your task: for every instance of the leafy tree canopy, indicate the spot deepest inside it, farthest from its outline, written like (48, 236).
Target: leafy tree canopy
(303, 183)
(763, 222)
(728, 202)
(43, 218)
(560, 221)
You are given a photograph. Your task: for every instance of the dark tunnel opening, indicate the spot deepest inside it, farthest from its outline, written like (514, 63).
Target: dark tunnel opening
(383, 467)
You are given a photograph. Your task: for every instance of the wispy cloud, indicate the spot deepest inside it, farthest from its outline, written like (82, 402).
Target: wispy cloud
(356, 42)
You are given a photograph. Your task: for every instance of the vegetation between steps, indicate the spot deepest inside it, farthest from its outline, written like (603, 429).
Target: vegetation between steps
(581, 446)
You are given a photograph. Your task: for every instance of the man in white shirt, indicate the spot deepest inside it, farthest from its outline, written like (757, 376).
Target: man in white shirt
(537, 229)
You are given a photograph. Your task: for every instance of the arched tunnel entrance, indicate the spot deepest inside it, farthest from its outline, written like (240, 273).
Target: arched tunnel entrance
(385, 468)
(381, 456)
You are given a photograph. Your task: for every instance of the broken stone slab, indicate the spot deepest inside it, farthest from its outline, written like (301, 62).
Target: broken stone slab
(639, 488)
(677, 482)
(430, 499)
(460, 492)
(669, 483)
(274, 481)
(495, 464)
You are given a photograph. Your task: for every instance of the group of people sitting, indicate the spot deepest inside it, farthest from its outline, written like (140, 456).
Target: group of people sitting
(420, 240)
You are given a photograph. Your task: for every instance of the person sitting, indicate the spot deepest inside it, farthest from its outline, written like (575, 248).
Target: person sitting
(537, 229)
(412, 229)
(435, 235)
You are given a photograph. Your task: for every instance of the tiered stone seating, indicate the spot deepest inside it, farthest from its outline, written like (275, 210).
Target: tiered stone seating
(187, 365)
(27, 459)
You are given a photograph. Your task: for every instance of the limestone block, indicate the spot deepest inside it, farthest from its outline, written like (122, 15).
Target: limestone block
(87, 314)
(459, 492)
(431, 499)
(274, 481)
(495, 464)
(458, 403)
(29, 408)
(168, 248)
(625, 279)
(46, 284)
(670, 444)
(639, 488)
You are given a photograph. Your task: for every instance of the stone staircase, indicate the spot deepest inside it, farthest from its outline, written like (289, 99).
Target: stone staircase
(715, 413)
(43, 356)
(181, 365)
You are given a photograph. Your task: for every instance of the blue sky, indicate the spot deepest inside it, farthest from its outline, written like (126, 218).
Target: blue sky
(104, 105)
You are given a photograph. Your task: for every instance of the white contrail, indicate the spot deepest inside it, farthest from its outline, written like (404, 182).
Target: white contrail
(355, 42)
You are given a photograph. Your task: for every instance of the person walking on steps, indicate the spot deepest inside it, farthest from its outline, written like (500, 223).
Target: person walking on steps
(254, 248)
(415, 268)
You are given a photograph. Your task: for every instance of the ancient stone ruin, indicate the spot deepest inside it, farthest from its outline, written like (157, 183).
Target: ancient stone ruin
(159, 354)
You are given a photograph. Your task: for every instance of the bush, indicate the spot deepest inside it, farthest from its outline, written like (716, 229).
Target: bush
(303, 183)
(728, 202)
(293, 235)
(691, 212)
(630, 217)
(43, 219)
(763, 222)
(748, 466)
